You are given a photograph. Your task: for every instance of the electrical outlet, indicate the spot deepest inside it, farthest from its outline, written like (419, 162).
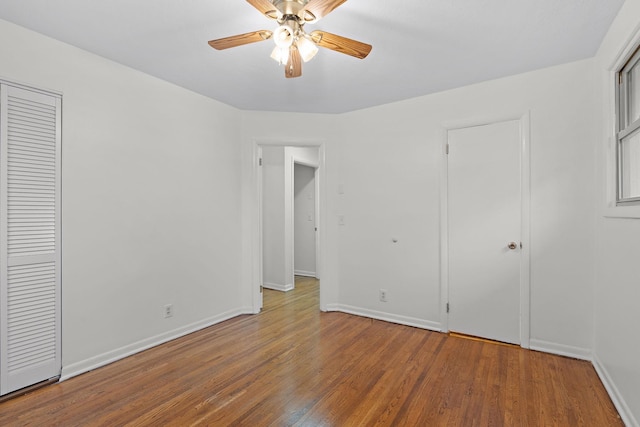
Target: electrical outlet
(383, 295)
(168, 310)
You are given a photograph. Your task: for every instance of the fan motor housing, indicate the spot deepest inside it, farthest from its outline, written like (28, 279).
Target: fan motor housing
(290, 7)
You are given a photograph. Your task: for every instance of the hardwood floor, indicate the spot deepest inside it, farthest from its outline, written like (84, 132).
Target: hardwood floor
(293, 365)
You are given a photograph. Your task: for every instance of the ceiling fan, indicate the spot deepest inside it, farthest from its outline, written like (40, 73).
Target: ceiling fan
(293, 44)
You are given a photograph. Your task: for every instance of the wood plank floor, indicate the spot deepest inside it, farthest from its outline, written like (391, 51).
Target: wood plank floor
(293, 365)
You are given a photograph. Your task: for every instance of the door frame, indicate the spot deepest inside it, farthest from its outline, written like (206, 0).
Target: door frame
(256, 215)
(289, 214)
(525, 191)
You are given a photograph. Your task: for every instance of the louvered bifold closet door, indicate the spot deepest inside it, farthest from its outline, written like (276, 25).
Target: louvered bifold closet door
(30, 228)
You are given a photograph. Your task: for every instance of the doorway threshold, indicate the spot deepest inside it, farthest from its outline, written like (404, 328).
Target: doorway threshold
(480, 339)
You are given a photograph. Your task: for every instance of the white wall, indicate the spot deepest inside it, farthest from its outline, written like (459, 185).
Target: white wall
(151, 200)
(273, 201)
(387, 161)
(304, 221)
(390, 166)
(617, 347)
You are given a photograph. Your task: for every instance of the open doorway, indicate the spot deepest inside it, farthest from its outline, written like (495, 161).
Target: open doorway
(304, 220)
(289, 200)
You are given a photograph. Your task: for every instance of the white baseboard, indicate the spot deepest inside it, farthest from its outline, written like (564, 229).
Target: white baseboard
(387, 317)
(103, 359)
(538, 345)
(561, 349)
(278, 286)
(618, 401)
(331, 307)
(304, 273)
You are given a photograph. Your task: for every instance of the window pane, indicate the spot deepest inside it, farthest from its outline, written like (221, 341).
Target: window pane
(630, 165)
(634, 92)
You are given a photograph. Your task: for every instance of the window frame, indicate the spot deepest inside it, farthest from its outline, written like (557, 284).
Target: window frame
(624, 126)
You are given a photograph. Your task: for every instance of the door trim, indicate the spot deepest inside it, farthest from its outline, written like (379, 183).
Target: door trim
(256, 215)
(525, 182)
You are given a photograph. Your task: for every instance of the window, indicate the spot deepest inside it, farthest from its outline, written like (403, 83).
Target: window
(628, 131)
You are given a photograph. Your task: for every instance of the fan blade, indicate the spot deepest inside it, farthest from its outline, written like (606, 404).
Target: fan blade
(265, 7)
(294, 65)
(341, 44)
(320, 8)
(240, 39)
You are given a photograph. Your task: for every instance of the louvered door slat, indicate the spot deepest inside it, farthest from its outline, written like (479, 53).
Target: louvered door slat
(32, 127)
(33, 141)
(31, 196)
(35, 337)
(29, 121)
(30, 224)
(32, 156)
(27, 231)
(31, 149)
(39, 277)
(31, 169)
(22, 352)
(30, 112)
(28, 283)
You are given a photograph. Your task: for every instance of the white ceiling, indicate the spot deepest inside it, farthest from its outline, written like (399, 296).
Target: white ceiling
(419, 46)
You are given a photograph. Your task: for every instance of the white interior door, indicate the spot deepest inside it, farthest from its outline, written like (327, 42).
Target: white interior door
(30, 257)
(484, 218)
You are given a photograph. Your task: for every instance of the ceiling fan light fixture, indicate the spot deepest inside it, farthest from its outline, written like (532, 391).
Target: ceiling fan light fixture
(283, 36)
(280, 55)
(306, 47)
(293, 45)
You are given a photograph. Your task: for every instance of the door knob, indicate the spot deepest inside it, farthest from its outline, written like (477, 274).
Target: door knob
(512, 245)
